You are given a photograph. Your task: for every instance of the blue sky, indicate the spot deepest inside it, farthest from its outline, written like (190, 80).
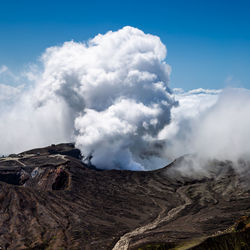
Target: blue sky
(208, 42)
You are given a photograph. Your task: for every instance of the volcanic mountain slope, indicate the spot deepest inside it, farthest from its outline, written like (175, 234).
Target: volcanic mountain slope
(49, 199)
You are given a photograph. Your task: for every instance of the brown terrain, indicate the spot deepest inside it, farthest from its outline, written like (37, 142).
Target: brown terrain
(50, 199)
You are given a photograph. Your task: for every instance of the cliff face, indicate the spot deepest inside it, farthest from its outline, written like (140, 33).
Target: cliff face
(49, 199)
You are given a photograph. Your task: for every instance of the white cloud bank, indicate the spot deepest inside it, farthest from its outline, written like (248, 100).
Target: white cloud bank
(111, 96)
(212, 125)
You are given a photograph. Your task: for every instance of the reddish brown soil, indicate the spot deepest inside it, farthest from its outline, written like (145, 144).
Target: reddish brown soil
(50, 200)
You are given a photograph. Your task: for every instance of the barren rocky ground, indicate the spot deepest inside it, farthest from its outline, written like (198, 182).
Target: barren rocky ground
(49, 199)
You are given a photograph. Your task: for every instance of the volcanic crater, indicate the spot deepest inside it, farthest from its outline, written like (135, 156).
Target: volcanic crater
(50, 199)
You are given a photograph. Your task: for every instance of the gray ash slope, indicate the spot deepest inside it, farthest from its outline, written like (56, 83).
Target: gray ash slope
(49, 199)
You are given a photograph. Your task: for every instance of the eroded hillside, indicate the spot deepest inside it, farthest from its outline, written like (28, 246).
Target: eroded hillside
(49, 199)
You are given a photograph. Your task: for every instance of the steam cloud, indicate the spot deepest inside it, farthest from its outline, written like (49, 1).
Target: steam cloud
(218, 129)
(208, 125)
(111, 96)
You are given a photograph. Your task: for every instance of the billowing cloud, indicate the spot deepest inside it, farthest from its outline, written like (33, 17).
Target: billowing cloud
(109, 95)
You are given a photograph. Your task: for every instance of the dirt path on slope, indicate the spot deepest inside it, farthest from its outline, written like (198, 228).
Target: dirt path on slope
(123, 243)
(16, 159)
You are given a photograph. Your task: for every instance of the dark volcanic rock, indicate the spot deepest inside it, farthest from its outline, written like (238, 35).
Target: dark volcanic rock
(49, 199)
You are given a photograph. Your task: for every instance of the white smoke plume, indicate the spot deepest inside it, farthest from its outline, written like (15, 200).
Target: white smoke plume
(110, 95)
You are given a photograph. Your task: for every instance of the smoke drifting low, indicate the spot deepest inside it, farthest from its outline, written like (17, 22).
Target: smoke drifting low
(111, 97)
(209, 125)
(212, 125)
